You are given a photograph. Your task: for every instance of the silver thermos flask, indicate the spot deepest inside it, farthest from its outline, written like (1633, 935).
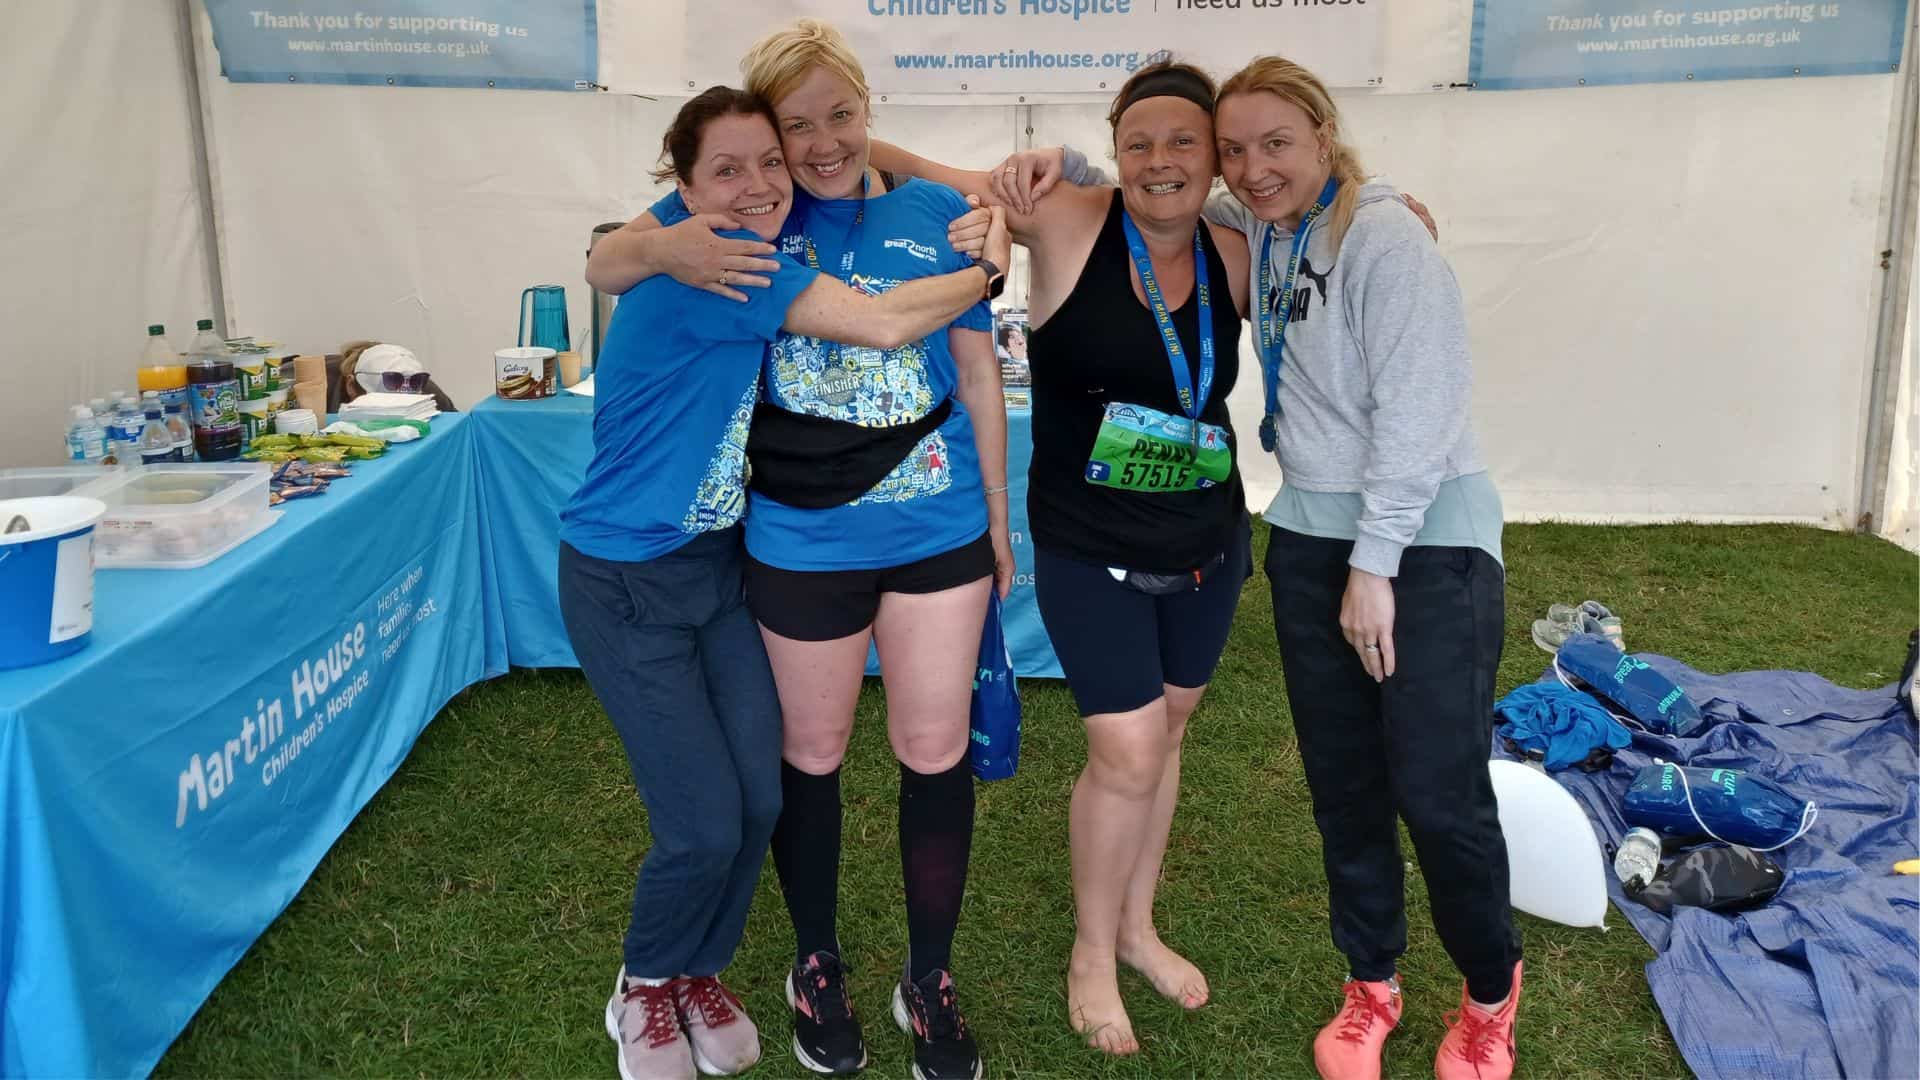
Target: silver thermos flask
(602, 303)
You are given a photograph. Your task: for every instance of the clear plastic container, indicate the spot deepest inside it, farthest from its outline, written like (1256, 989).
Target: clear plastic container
(179, 515)
(61, 480)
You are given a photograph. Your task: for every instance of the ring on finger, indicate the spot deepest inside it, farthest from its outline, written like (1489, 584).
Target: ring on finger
(1010, 170)
(724, 275)
(1373, 648)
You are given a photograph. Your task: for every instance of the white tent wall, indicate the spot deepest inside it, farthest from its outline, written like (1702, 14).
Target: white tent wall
(418, 216)
(1668, 318)
(1670, 287)
(415, 216)
(101, 221)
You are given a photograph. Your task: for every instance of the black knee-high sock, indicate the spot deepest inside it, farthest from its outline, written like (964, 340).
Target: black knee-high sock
(806, 853)
(936, 839)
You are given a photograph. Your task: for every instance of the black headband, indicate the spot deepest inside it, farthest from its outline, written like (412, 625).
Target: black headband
(1173, 82)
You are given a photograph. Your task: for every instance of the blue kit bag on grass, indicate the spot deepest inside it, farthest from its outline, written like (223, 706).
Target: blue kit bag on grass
(994, 741)
(1726, 804)
(1629, 683)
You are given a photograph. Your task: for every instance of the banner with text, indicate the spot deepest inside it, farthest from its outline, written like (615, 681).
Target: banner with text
(1048, 46)
(503, 44)
(1526, 44)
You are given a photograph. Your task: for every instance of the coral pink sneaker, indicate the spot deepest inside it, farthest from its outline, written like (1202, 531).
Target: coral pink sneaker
(1348, 1048)
(1479, 1044)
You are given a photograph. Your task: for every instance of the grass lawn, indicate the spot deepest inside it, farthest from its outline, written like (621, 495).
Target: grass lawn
(469, 922)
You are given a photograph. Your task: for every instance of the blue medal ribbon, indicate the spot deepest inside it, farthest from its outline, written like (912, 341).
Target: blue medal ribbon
(1190, 402)
(1276, 308)
(846, 257)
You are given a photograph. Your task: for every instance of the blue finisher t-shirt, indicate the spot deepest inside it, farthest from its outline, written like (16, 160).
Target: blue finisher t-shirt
(932, 501)
(673, 397)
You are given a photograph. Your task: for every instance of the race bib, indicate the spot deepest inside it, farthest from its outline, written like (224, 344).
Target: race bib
(1143, 449)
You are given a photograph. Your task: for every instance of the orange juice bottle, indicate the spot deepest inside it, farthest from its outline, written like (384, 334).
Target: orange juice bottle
(161, 370)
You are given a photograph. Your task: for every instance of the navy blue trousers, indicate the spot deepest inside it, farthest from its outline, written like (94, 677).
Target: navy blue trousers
(676, 660)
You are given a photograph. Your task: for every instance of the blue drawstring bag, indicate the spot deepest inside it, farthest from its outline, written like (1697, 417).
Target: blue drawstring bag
(1629, 683)
(1725, 804)
(994, 741)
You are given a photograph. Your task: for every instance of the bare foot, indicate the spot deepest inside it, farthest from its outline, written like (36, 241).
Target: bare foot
(1170, 973)
(1094, 1008)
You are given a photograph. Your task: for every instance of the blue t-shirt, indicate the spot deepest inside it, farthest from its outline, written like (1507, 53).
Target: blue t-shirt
(673, 397)
(932, 501)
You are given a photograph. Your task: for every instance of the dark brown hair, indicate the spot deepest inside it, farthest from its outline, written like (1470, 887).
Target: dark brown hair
(680, 146)
(1162, 78)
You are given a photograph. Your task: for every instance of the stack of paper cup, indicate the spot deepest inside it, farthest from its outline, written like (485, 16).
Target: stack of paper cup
(310, 384)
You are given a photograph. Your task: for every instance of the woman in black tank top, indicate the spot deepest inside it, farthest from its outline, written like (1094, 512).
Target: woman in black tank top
(1102, 346)
(1138, 565)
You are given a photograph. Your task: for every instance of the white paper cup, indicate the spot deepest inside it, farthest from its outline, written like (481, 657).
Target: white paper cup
(296, 422)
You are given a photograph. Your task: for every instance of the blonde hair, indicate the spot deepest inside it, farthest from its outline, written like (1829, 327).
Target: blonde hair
(776, 64)
(1289, 81)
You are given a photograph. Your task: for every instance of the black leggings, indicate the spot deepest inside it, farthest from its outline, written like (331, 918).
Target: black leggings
(1416, 746)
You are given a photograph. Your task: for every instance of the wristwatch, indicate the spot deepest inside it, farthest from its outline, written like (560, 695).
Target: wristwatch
(996, 278)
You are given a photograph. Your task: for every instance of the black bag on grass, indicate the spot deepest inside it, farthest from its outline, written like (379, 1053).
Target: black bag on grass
(1718, 877)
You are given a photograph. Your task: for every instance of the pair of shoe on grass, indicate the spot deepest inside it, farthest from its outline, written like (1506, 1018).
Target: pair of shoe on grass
(1565, 620)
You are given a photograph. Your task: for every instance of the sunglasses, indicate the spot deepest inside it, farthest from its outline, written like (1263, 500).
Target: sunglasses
(403, 381)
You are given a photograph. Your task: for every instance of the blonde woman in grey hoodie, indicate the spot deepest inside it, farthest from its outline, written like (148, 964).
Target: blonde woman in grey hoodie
(1384, 555)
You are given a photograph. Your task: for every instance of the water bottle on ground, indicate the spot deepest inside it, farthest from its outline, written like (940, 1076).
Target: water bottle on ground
(1638, 859)
(181, 431)
(156, 442)
(86, 440)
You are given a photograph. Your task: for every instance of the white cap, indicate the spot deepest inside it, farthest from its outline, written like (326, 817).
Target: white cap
(381, 358)
(80, 412)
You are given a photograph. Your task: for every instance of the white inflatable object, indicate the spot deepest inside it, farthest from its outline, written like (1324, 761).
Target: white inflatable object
(1556, 869)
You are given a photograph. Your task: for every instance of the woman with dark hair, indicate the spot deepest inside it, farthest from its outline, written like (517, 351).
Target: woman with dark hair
(899, 556)
(1139, 523)
(651, 580)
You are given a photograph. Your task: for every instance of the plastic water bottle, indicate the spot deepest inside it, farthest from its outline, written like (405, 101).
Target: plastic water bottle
(101, 414)
(1638, 859)
(180, 430)
(86, 440)
(123, 431)
(156, 442)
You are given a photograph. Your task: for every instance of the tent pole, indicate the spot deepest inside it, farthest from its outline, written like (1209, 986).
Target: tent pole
(1896, 262)
(203, 171)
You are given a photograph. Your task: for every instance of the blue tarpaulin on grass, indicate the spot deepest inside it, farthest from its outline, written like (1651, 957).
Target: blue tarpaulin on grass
(1824, 981)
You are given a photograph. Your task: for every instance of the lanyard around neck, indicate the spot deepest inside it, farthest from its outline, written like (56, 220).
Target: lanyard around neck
(1276, 308)
(852, 238)
(1190, 402)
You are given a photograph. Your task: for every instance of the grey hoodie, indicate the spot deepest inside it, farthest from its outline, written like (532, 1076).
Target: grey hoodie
(1374, 427)
(1376, 388)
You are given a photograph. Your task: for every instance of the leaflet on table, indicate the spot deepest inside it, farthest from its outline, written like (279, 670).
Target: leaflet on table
(280, 719)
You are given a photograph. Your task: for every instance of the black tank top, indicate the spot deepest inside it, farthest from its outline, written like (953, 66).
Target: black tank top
(1103, 345)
